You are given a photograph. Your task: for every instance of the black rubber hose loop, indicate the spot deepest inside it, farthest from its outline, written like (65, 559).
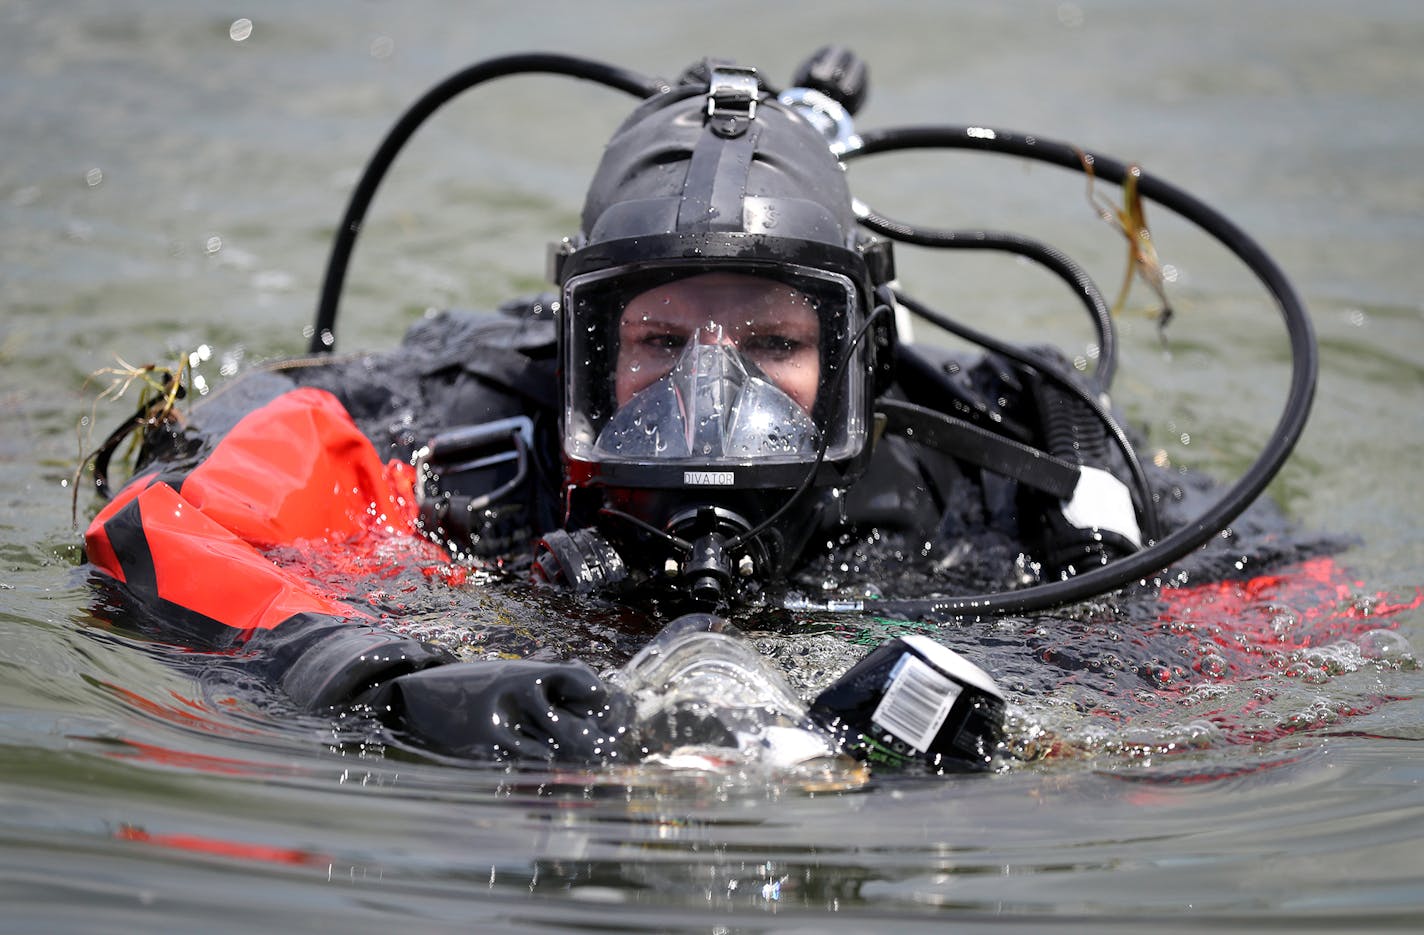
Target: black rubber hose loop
(1054, 260)
(1304, 369)
(323, 339)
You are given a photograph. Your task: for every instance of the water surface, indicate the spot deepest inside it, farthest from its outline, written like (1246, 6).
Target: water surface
(171, 180)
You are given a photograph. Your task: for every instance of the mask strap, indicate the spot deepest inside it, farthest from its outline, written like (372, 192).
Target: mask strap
(715, 188)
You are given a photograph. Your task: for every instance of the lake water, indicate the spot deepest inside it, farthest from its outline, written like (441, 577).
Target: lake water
(172, 173)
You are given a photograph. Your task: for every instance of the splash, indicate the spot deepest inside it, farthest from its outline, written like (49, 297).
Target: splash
(1221, 664)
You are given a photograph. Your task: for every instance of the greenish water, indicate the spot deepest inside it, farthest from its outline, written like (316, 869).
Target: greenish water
(167, 185)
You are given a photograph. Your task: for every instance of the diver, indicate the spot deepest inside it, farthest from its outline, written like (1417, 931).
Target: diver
(711, 408)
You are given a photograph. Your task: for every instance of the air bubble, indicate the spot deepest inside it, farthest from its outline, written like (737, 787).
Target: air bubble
(1212, 666)
(1387, 646)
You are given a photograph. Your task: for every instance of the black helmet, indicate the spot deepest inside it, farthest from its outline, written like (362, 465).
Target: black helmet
(717, 343)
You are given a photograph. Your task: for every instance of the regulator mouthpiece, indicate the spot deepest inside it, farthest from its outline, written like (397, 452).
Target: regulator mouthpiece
(716, 560)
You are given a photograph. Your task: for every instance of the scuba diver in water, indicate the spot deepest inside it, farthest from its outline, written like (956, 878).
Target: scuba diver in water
(712, 410)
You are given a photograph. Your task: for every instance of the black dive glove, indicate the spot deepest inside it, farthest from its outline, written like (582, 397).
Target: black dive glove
(500, 710)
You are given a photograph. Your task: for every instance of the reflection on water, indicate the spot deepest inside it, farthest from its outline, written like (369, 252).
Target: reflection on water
(1240, 752)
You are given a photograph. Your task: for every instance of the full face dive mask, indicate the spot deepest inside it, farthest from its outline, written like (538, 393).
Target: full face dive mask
(704, 396)
(718, 344)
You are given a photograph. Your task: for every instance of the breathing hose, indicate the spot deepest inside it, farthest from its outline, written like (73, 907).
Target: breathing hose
(1049, 257)
(323, 339)
(1287, 431)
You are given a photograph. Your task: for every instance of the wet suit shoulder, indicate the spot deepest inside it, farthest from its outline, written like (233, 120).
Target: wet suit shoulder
(300, 452)
(1001, 515)
(937, 486)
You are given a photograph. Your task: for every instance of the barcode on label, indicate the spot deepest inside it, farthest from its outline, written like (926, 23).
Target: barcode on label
(916, 703)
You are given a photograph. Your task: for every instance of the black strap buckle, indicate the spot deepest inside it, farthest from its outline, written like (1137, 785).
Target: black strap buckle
(474, 448)
(968, 442)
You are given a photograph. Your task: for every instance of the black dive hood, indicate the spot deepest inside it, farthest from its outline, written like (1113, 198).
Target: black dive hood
(717, 175)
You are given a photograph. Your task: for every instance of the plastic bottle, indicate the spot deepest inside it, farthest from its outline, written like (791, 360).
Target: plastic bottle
(707, 699)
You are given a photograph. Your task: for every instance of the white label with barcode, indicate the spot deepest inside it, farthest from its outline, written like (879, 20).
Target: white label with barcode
(916, 703)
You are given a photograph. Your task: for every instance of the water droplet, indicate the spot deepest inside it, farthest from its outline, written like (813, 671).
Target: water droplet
(382, 47)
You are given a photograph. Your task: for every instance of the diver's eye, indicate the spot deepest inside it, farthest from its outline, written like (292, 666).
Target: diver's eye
(665, 342)
(773, 346)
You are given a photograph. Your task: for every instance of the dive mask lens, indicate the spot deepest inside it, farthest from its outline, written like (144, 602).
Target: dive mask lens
(701, 366)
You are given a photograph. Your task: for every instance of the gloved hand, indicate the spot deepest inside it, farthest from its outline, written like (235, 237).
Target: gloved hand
(497, 710)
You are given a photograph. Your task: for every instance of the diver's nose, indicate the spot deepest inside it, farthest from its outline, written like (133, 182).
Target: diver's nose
(715, 334)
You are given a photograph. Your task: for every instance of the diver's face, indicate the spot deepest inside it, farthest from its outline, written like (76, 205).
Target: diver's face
(770, 323)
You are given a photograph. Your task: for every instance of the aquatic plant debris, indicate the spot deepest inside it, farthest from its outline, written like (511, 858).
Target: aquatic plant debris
(160, 389)
(1131, 220)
